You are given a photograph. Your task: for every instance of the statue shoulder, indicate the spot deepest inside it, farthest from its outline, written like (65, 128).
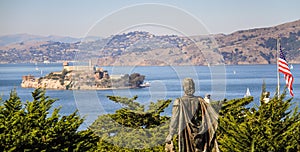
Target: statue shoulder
(200, 99)
(176, 102)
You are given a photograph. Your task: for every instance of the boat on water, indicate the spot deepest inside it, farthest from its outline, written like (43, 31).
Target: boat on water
(247, 93)
(145, 84)
(291, 67)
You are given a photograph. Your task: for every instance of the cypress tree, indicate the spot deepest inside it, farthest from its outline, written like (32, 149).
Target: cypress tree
(132, 128)
(30, 126)
(271, 126)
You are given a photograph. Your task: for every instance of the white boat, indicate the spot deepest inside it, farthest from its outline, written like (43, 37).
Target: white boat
(291, 67)
(145, 84)
(247, 93)
(36, 67)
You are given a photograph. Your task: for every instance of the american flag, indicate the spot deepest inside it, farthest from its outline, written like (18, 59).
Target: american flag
(284, 68)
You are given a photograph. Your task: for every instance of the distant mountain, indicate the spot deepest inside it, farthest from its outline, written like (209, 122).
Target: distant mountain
(63, 39)
(21, 38)
(253, 46)
(17, 38)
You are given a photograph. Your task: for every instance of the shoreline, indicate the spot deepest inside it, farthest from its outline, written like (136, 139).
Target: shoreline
(91, 89)
(83, 78)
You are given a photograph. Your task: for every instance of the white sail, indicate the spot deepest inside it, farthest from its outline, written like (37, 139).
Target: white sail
(247, 93)
(291, 67)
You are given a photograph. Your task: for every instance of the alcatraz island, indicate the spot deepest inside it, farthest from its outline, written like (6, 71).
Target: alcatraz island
(83, 78)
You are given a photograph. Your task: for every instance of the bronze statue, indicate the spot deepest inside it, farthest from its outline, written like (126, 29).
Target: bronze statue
(194, 121)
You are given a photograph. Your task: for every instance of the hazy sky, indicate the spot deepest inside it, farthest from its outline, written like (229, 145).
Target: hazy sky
(77, 18)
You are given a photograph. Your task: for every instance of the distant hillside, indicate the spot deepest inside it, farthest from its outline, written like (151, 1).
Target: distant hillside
(24, 38)
(10, 39)
(259, 45)
(253, 46)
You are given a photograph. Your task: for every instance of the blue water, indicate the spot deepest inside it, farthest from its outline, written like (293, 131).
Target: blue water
(220, 81)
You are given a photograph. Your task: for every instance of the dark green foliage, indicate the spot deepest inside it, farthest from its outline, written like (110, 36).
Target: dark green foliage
(133, 128)
(272, 126)
(53, 76)
(290, 44)
(217, 105)
(268, 57)
(122, 82)
(128, 102)
(235, 56)
(136, 79)
(135, 115)
(30, 127)
(271, 43)
(63, 74)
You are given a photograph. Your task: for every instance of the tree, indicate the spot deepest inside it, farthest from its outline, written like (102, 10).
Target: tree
(136, 79)
(132, 128)
(272, 126)
(30, 126)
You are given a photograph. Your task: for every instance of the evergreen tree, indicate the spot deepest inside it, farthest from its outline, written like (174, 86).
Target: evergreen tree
(30, 127)
(132, 128)
(272, 126)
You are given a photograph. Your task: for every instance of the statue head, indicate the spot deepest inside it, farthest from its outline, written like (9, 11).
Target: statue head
(188, 86)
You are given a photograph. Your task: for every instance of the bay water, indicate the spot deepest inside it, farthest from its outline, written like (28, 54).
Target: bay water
(222, 81)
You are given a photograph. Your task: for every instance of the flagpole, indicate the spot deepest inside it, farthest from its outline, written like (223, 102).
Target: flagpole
(278, 76)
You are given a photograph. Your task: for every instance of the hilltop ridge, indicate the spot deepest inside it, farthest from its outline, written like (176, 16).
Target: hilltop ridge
(252, 46)
(259, 44)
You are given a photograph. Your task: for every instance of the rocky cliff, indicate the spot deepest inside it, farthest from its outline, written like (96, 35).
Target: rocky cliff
(83, 80)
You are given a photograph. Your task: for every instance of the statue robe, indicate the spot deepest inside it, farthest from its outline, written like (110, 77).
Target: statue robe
(195, 122)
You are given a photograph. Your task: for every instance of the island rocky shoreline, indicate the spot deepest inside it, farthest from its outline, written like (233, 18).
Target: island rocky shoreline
(83, 78)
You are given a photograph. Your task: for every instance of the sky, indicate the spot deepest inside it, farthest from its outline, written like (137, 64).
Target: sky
(78, 18)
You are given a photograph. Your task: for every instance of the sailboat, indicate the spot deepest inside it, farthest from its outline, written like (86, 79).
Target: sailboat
(36, 67)
(291, 67)
(247, 93)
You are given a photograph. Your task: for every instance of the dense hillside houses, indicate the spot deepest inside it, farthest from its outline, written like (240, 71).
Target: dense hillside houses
(253, 46)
